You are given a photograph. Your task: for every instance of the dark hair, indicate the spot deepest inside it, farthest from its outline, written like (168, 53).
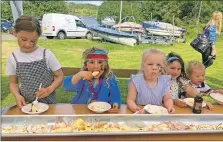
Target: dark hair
(28, 24)
(171, 57)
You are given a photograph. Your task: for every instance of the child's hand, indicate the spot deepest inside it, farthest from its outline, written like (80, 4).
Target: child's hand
(190, 90)
(218, 91)
(209, 105)
(20, 101)
(180, 103)
(142, 111)
(114, 108)
(171, 110)
(86, 75)
(44, 92)
(138, 109)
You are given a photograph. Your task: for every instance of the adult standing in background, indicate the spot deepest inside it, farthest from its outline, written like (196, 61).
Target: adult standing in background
(17, 9)
(211, 31)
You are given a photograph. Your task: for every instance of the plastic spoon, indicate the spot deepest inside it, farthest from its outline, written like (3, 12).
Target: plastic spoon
(36, 101)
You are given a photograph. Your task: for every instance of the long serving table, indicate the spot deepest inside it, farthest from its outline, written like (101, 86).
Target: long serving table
(68, 109)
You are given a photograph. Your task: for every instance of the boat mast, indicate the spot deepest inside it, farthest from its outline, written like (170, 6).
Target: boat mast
(173, 27)
(120, 16)
(199, 13)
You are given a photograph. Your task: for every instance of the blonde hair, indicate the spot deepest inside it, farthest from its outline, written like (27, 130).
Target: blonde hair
(193, 65)
(217, 20)
(107, 70)
(147, 52)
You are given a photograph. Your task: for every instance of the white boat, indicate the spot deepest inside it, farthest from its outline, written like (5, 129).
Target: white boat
(163, 29)
(114, 35)
(108, 21)
(129, 27)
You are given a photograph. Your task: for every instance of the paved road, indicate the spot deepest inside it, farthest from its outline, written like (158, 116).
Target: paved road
(12, 37)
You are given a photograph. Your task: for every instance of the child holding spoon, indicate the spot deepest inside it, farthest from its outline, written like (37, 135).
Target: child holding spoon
(95, 81)
(31, 65)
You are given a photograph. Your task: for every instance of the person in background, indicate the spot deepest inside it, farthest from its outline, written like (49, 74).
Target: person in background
(99, 87)
(211, 31)
(196, 73)
(31, 65)
(175, 68)
(149, 86)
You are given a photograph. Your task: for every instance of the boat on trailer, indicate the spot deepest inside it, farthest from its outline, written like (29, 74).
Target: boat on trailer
(163, 29)
(114, 35)
(129, 25)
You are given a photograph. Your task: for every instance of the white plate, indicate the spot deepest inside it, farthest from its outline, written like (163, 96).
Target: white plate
(154, 109)
(27, 108)
(99, 107)
(217, 97)
(190, 102)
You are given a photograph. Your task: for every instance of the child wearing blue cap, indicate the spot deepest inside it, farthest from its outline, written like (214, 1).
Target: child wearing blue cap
(95, 81)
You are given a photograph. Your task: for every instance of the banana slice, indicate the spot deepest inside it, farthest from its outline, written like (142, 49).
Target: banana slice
(95, 73)
(34, 108)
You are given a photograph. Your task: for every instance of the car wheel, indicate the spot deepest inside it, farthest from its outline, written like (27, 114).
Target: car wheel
(61, 35)
(89, 35)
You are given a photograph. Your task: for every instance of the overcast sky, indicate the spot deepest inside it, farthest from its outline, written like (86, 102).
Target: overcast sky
(88, 2)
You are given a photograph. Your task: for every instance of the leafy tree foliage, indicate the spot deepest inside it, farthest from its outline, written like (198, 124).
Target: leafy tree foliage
(182, 13)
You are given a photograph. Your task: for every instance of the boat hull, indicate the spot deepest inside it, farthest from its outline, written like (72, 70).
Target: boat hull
(114, 36)
(163, 29)
(164, 32)
(129, 27)
(116, 39)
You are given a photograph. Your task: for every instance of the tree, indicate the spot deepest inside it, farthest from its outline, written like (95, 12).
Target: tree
(6, 10)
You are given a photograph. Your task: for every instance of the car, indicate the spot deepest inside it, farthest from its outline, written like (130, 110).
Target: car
(63, 26)
(6, 26)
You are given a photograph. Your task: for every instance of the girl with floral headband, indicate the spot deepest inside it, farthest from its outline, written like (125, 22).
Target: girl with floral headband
(95, 81)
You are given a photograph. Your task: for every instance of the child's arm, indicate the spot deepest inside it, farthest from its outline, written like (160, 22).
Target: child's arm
(190, 91)
(20, 101)
(218, 91)
(132, 97)
(209, 105)
(168, 103)
(179, 103)
(58, 79)
(82, 74)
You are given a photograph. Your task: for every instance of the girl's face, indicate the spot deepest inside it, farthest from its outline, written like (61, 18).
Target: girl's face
(96, 65)
(174, 69)
(27, 41)
(153, 66)
(197, 76)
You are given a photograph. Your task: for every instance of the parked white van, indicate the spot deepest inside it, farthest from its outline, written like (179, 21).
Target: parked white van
(63, 26)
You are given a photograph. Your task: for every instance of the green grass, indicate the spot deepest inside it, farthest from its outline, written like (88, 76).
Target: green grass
(69, 52)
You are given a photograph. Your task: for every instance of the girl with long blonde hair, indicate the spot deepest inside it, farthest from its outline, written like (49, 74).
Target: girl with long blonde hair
(95, 81)
(211, 31)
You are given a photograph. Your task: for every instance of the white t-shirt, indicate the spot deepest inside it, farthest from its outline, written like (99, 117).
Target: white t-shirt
(51, 60)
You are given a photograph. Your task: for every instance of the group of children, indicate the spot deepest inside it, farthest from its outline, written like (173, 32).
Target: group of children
(161, 81)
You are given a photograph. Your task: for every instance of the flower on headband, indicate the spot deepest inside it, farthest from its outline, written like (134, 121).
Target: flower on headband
(98, 54)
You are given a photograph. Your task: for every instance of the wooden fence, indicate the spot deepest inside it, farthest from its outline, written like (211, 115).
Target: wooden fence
(123, 73)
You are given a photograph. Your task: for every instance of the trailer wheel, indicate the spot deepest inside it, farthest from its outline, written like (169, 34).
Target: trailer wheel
(61, 35)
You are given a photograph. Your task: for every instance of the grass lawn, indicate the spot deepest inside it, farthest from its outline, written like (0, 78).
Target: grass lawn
(69, 52)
